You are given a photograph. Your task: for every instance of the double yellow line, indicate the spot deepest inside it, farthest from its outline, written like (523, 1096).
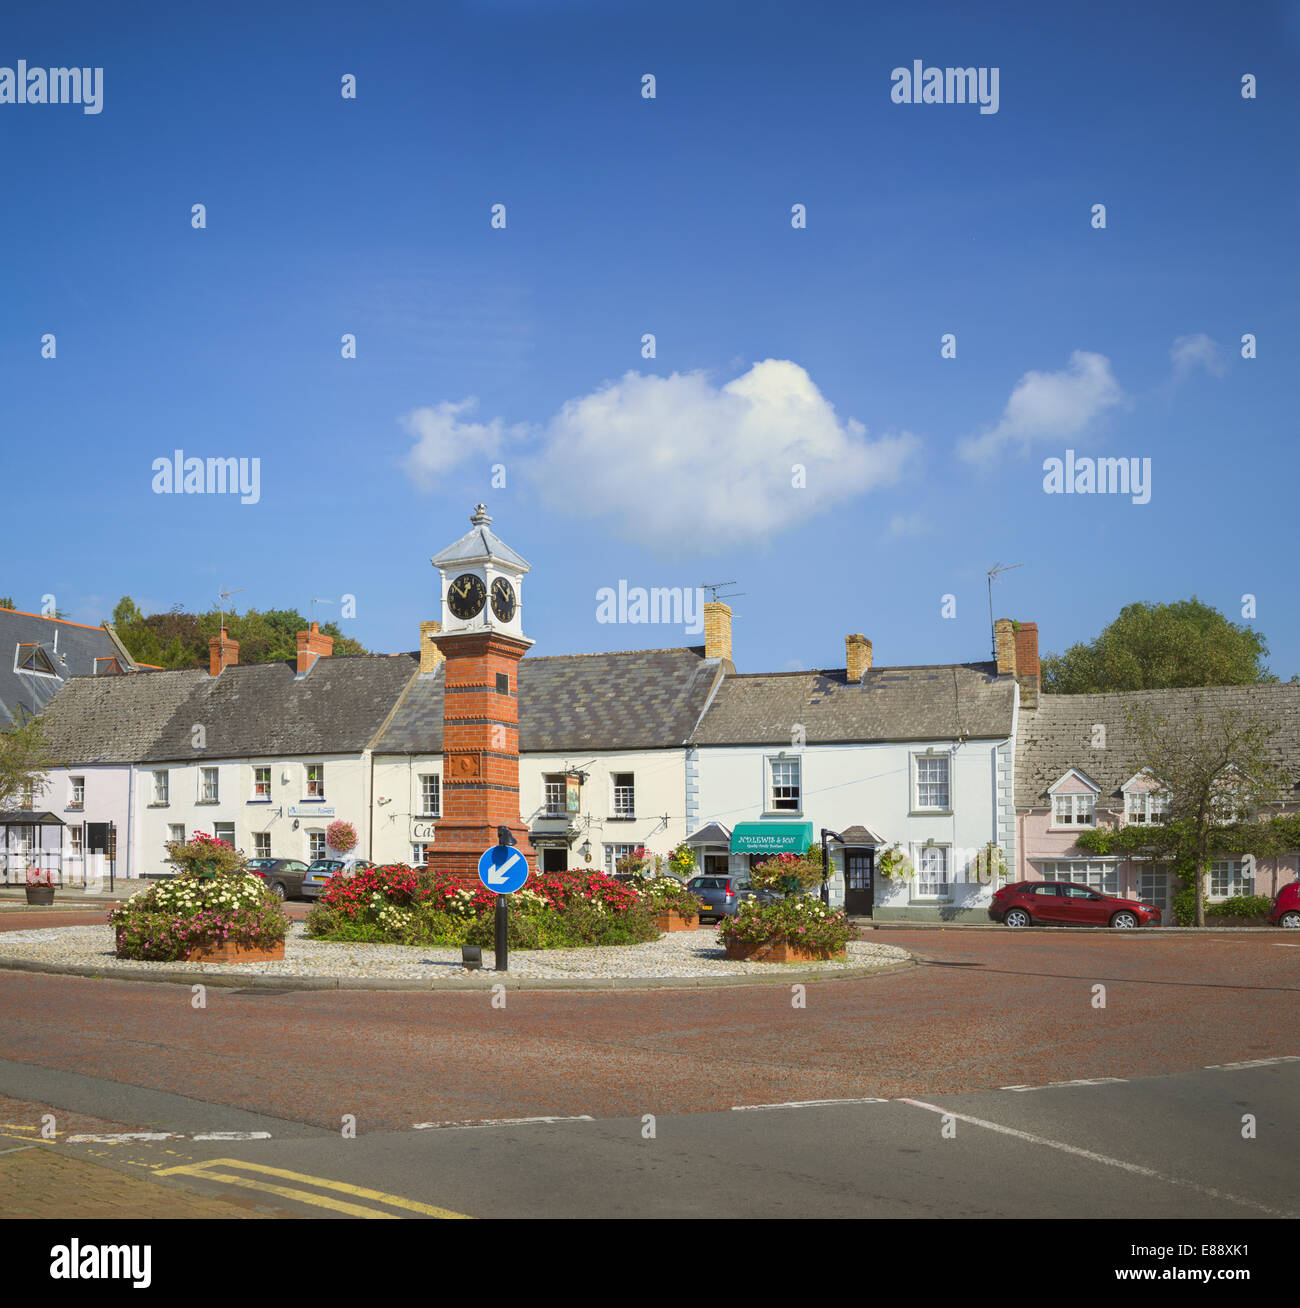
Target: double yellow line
(210, 1170)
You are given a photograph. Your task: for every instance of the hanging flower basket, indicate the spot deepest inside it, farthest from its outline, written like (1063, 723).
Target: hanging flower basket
(341, 837)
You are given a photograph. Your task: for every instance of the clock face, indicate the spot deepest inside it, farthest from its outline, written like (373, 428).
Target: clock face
(466, 595)
(503, 599)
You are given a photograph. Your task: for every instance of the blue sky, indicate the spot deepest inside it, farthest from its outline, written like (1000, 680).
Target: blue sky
(671, 216)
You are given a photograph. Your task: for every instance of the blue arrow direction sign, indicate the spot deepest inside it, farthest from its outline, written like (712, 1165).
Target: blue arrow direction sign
(502, 868)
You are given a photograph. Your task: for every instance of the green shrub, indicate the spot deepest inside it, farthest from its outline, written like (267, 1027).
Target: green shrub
(1240, 906)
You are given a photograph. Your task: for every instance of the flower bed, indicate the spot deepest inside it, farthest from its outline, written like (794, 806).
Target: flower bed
(395, 904)
(798, 926)
(212, 904)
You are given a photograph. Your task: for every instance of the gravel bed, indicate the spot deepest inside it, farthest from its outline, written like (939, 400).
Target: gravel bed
(677, 954)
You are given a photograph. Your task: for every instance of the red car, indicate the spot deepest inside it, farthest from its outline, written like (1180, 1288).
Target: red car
(1066, 903)
(1286, 906)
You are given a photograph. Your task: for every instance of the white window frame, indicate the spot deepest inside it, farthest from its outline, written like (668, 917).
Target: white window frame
(172, 829)
(318, 782)
(1145, 807)
(77, 792)
(554, 784)
(262, 844)
(1097, 874)
(622, 802)
(782, 803)
(931, 756)
(316, 847)
(207, 775)
(613, 852)
(430, 792)
(261, 796)
(1230, 875)
(420, 851)
(925, 888)
(1077, 805)
(162, 786)
(77, 841)
(230, 839)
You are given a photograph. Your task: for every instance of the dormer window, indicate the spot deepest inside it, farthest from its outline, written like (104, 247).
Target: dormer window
(107, 667)
(32, 658)
(1145, 803)
(1074, 801)
(1074, 810)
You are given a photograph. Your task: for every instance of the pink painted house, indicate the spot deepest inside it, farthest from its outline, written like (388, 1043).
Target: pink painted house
(1074, 772)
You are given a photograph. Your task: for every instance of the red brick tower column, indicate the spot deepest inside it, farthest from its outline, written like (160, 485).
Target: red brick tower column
(480, 751)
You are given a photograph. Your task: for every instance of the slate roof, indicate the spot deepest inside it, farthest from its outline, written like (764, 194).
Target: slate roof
(631, 699)
(258, 709)
(115, 719)
(78, 648)
(1058, 734)
(251, 710)
(937, 702)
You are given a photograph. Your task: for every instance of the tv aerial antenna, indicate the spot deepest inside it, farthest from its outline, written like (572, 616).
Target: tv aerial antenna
(995, 574)
(715, 586)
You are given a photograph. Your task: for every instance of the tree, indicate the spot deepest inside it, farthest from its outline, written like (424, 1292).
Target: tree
(1158, 646)
(24, 761)
(126, 614)
(1214, 765)
(6, 602)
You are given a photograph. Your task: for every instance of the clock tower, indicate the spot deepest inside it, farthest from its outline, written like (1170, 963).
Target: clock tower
(482, 641)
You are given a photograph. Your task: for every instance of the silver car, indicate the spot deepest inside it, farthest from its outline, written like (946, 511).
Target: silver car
(318, 874)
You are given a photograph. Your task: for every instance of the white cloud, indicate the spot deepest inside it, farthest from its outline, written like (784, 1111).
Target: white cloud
(679, 463)
(442, 440)
(1198, 351)
(682, 464)
(1049, 406)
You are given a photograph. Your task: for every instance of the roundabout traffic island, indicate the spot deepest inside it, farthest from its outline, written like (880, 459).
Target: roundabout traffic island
(212, 911)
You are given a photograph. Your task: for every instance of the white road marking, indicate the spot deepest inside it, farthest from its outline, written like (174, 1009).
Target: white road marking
(233, 1135)
(123, 1137)
(803, 1103)
(1095, 1080)
(500, 1121)
(1254, 1062)
(1093, 1157)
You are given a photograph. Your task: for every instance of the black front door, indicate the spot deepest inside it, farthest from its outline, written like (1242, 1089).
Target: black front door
(859, 881)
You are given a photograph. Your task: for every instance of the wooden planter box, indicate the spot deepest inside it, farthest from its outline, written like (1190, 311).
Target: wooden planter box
(40, 894)
(229, 951)
(779, 951)
(674, 921)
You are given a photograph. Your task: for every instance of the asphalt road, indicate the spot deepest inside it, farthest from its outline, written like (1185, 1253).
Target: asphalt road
(1159, 1133)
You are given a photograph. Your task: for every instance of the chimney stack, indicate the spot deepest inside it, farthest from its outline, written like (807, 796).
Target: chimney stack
(1027, 671)
(1004, 645)
(717, 630)
(312, 646)
(223, 652)
(857, 656)
(430, 655)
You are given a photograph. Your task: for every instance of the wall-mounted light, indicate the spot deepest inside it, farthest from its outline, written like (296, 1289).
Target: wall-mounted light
(295, 824)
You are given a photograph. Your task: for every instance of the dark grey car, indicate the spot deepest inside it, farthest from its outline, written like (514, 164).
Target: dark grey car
(283, 875)
(721, 895)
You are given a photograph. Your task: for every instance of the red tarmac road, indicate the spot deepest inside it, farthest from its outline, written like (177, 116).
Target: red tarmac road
(980, 1010)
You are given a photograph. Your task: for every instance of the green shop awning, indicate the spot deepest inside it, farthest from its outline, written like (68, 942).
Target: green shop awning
(771, 837)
